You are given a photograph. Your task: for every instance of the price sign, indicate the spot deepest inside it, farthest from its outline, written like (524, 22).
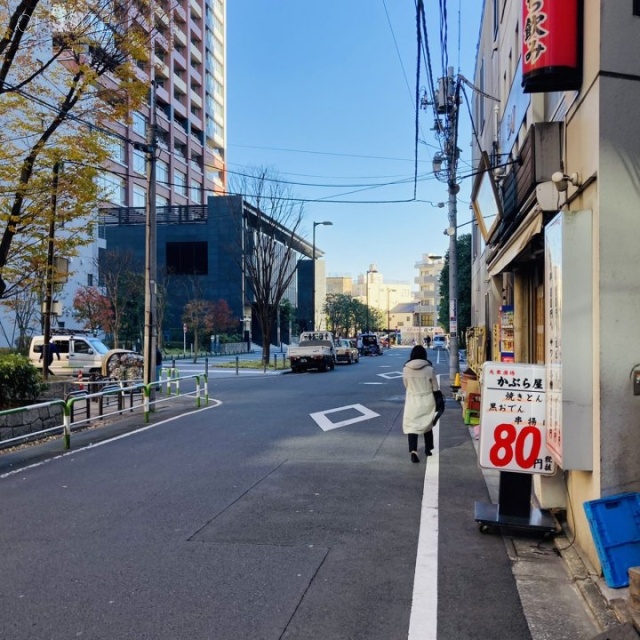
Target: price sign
(512, 419)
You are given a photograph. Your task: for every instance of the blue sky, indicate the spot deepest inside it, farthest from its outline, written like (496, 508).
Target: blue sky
(323, 93)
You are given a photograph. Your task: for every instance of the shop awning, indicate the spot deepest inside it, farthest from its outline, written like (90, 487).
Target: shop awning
(517, 244)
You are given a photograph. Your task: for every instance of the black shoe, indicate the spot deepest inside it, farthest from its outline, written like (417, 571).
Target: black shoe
(428, 453)
(414, 457)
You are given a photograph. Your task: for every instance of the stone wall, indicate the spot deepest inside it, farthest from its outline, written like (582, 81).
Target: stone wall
(34, 420)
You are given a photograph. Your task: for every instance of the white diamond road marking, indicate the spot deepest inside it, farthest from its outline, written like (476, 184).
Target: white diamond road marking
(390, 375)
(322, 420)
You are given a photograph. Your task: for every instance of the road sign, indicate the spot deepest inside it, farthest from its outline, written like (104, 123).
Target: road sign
(512, 419)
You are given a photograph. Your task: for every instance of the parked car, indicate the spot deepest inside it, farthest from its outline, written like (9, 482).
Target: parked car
(370, 345)
(346, 352)
(439, 342)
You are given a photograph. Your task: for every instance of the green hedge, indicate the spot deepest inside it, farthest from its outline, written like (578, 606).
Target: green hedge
(20, 381)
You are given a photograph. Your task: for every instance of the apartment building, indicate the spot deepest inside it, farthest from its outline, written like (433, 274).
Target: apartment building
(428, 296)
(188, 71)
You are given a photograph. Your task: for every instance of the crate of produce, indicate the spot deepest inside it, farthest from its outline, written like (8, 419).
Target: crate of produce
(615, 526)
(473, 402)
(471, 417)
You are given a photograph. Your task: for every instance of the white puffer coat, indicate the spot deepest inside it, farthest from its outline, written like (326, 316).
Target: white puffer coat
(419, 405)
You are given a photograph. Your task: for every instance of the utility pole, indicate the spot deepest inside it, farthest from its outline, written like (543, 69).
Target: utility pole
(150, 267)
(449, 104)
(454, 187)
(48, 300)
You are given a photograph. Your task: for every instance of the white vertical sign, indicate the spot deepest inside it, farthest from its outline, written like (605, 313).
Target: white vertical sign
(512, 419)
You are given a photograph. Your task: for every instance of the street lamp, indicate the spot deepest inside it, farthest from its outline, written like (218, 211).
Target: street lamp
(313, 295)
(374, 270)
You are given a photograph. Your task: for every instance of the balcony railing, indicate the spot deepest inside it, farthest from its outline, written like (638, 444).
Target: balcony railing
(121, 216)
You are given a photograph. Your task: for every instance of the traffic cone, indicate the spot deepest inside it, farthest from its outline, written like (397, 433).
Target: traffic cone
(456, 381)
(80, 384)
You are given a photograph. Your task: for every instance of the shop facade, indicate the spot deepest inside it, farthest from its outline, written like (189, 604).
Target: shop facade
(557, 220)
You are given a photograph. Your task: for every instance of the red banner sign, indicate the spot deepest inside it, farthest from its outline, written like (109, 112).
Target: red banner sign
(550, 45)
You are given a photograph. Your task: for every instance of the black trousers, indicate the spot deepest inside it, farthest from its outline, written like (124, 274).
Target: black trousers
(428, 441)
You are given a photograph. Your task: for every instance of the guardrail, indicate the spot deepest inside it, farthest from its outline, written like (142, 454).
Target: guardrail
(117, 390)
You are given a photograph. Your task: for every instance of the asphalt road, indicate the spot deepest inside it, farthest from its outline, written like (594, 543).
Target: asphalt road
(288, 511)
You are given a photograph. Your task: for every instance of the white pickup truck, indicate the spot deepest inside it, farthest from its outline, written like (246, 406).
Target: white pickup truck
(315, 350)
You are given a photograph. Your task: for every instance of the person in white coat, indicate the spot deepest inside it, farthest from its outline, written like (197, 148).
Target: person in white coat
(419, 404)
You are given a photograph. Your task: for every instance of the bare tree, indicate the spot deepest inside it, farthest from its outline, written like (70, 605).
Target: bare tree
(269, 223)
(162, 299)
(122, 280)
(25, 311)
(195, 312)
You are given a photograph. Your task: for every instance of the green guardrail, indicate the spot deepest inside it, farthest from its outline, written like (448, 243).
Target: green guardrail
(202, 391)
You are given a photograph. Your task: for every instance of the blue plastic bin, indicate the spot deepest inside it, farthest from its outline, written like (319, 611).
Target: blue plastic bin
(615, 527)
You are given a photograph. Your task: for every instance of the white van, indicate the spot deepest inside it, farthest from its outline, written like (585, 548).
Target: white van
(77, 353)
(439, 342)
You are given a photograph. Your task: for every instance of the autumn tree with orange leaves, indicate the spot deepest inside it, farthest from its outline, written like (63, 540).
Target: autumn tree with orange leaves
(67, 70)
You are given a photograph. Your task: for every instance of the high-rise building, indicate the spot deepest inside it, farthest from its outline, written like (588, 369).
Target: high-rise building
(188, 68)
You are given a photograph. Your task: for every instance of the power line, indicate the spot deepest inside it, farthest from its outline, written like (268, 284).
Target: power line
(417, 106)
(323, 153)
(309, 175)
(395, 44)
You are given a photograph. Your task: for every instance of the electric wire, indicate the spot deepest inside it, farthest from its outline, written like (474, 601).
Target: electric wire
(395, 44)
(459, 33)
(324, 177)
(427, 53)
(473, 124)
(444, 55)
(430, 81)
(323, 153)
(128, 140)
(417, 105)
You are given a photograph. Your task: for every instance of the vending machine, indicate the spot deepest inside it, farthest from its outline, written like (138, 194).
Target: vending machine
(506, 336)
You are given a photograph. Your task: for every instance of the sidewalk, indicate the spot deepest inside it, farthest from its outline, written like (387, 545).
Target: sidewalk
(562, 598)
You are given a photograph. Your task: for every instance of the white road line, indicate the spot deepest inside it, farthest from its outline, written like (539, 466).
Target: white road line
(423, 624)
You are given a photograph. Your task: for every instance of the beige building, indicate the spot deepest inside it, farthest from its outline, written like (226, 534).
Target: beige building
(558, 241)
(370, 288)
(428, 297)
(339, 285)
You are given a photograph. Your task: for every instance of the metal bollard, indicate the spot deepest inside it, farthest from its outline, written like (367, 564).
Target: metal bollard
(237, 365)
(275, 360)
(206, 366)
